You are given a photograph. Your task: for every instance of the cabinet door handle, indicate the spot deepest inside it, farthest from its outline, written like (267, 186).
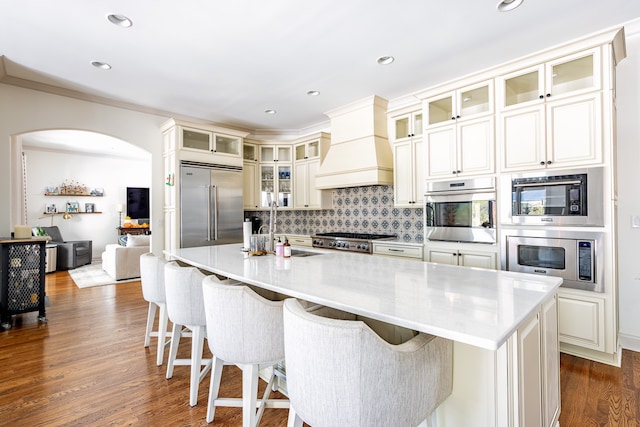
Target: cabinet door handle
(548, 162)
(541, 163)
(548, 95)
(396, 250)
(541, 96)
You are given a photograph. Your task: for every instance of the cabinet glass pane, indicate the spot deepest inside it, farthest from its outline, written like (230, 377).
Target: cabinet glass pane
(313, 149)
(267, 154)
(197, 140)
(474, 101)
(266, 185)
(228, 145)
(300, 152)
(440, 110)
(249, 152)
(284, 186)
(417, 124)
(284, 154)
(402, 128)
(573, 75)
(522, 88)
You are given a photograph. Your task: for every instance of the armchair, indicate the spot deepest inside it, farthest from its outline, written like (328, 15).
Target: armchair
(71, 254)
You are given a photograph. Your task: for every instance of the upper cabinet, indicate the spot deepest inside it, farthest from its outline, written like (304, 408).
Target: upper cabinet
(461, 104)
(460, 134)
(250, 185)
(569, 76)
(275, 153)
(308, 154)
(406, 136)
(210, 142)
(550, 115)
(406, 126)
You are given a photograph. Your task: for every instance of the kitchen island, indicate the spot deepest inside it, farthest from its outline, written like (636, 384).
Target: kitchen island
(503, 324)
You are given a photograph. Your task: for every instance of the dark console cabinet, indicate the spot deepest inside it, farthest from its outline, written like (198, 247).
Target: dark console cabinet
(22, 270)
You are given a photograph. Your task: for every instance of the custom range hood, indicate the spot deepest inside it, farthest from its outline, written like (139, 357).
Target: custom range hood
(359, 153)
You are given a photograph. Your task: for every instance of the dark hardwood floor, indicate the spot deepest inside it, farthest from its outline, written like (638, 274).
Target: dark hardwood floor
(87, 367)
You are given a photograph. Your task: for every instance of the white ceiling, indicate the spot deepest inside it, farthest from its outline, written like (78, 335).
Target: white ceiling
(227, 61)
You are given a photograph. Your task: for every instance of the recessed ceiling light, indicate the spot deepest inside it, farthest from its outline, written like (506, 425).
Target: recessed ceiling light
(385, 60)
(120, 20)
(507, 5)
(270, 111)
(101, 65)
(313, 92)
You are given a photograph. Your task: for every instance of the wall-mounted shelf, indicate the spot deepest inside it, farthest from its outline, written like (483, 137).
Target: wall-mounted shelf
(72, 213)
(72, 195)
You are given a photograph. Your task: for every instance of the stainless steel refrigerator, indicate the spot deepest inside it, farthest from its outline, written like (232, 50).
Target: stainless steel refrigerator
(210, 204)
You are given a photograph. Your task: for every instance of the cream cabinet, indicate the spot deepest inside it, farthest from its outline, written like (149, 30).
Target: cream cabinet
(405, 126)
(551, 114)
(308, 154)
(208, 142)
(581, 320)
(463, 254)
(528, 355)
(408, 173)
(405, 134)
(550, 362)
(461, 149)
(250, 183)
(461, 104)
(402, 250)
(275, 175)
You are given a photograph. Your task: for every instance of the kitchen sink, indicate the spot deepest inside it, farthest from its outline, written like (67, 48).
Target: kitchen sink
(298, 253)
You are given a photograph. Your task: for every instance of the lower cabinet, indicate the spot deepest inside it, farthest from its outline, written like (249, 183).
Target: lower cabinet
(468, 255)
(402, 250)
(582, 321)
(516, 385)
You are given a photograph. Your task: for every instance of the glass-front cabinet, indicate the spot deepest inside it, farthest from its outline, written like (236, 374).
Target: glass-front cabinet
(462, 104)
(275, 153)
(307, 150)
(275, 175)
(406, 126)
(568, 76)
(195, 139)
(275, 185)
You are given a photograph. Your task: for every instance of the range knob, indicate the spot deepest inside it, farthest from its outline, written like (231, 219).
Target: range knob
(332, 243)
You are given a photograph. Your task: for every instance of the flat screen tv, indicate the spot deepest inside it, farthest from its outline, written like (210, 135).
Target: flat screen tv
(138, 202)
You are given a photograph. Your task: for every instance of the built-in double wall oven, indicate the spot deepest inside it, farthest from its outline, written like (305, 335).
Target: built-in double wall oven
(461, 211)
(550, 225)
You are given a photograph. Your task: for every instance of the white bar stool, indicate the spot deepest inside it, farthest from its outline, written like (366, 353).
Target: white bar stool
(183, 286)
(246, 330)
(152, 278)
(341, 373)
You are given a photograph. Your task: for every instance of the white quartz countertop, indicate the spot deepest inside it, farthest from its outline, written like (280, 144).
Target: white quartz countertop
(479, 307)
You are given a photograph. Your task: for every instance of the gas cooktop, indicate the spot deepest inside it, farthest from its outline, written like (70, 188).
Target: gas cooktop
(352, 242)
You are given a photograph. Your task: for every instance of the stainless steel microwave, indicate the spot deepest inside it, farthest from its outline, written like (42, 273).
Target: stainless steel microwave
(567, 198)
(575, 257)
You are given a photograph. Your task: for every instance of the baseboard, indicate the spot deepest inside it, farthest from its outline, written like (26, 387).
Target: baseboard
(614, 359)
(629, 342)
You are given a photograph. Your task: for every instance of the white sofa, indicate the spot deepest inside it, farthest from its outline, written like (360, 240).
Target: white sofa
(123, 262)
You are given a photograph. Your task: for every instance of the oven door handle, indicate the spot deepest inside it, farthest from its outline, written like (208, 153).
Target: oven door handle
(541, 184)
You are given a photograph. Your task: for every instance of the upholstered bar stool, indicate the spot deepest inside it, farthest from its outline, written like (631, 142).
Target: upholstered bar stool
(183, 286)
(341, 373)
(152, 278)
(244, 329)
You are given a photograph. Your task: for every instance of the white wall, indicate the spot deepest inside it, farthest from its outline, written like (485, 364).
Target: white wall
(24, 110)
(628, 105)
(47, 168)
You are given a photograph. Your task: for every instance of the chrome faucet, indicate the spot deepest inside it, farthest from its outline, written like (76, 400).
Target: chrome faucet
(269, 244)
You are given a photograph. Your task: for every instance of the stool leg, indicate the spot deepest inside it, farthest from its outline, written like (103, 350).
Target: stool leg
(249, 394)
(197, 344)
(214, 387)
(294, 420)
(176, 332)
(151, 314)
(163, 319)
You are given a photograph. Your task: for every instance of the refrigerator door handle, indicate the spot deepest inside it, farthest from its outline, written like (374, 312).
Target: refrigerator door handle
(213, 212)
